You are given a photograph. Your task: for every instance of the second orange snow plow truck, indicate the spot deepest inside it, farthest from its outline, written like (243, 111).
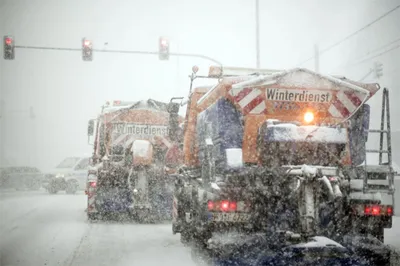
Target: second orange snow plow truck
(131, 159)
(272, 151)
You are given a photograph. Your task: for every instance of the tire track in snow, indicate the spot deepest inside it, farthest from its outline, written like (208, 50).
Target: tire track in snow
(71, 260)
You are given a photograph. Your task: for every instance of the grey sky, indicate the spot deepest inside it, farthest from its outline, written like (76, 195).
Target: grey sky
(65, 91)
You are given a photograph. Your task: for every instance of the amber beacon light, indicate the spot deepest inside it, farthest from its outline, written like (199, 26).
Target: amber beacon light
(308, 117)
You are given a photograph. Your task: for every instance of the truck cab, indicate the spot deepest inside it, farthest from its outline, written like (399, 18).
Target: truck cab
(138, 133)
(254, 130)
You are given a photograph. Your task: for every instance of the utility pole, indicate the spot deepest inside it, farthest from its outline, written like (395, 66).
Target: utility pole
(316, 57)
(258, 33)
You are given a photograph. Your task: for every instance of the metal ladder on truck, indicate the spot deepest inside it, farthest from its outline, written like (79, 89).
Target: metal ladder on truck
(380, 178)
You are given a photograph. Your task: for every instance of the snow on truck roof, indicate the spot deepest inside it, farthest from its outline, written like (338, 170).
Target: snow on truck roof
(336, 97)
(148, 104)
(305, 79)
(229, 73)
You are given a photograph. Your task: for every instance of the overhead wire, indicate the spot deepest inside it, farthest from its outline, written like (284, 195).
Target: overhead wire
(367, 56)
(352, 34)
(383, 46)
(377, 55)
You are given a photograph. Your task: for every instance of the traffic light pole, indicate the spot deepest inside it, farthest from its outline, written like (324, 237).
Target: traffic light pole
(120, 52)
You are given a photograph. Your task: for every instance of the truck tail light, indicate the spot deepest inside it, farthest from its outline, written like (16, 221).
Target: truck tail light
(222, 206)
(232, 206)
(378, 210)
(92, 184)
(372, 210)
(390, 210)
(210, 205)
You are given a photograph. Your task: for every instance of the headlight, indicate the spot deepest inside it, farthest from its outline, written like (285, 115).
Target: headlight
(59, 175)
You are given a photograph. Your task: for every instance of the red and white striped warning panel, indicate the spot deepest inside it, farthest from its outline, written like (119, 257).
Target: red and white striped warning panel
(91, 192)
(345, 103)
(251, 100)
(299, 89)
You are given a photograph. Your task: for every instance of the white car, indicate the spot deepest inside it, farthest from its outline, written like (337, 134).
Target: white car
(70, 175)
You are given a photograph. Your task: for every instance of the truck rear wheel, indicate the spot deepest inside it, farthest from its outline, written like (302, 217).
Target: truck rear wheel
(199, 251)
(92, 216)
(185, 237)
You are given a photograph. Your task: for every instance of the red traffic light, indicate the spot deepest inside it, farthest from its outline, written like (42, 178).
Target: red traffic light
(163, 48)
(164, 42)
(87, 50)
(9, 48)
(8, 40)
(87, 43)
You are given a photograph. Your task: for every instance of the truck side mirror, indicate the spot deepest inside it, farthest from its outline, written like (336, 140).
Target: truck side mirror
(91, 127)
(173, 109)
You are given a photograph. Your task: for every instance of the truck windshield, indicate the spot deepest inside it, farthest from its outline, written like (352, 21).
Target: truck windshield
(68, 162)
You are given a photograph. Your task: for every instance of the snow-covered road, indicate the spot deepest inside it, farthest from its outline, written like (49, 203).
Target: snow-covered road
(41, 229)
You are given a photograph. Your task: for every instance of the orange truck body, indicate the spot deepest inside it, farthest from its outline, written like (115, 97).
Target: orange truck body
(277, 96)
(148, 123)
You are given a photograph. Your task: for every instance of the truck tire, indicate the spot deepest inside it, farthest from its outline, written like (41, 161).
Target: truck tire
(175, 228)
(92, 216)
(199, 251)
(185, 237)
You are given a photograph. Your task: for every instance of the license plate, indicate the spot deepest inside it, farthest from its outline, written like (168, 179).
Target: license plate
(229, 217)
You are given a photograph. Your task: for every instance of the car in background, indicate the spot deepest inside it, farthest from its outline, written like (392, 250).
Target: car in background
(69, 176)
(20, 178)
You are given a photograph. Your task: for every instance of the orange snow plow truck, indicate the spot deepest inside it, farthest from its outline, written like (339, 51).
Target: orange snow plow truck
(285, 150)
(133, 155)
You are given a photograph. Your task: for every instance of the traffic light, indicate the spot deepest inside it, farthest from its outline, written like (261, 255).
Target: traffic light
(163, 50)
(378, 69)
(87, 50)
(9, 48)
